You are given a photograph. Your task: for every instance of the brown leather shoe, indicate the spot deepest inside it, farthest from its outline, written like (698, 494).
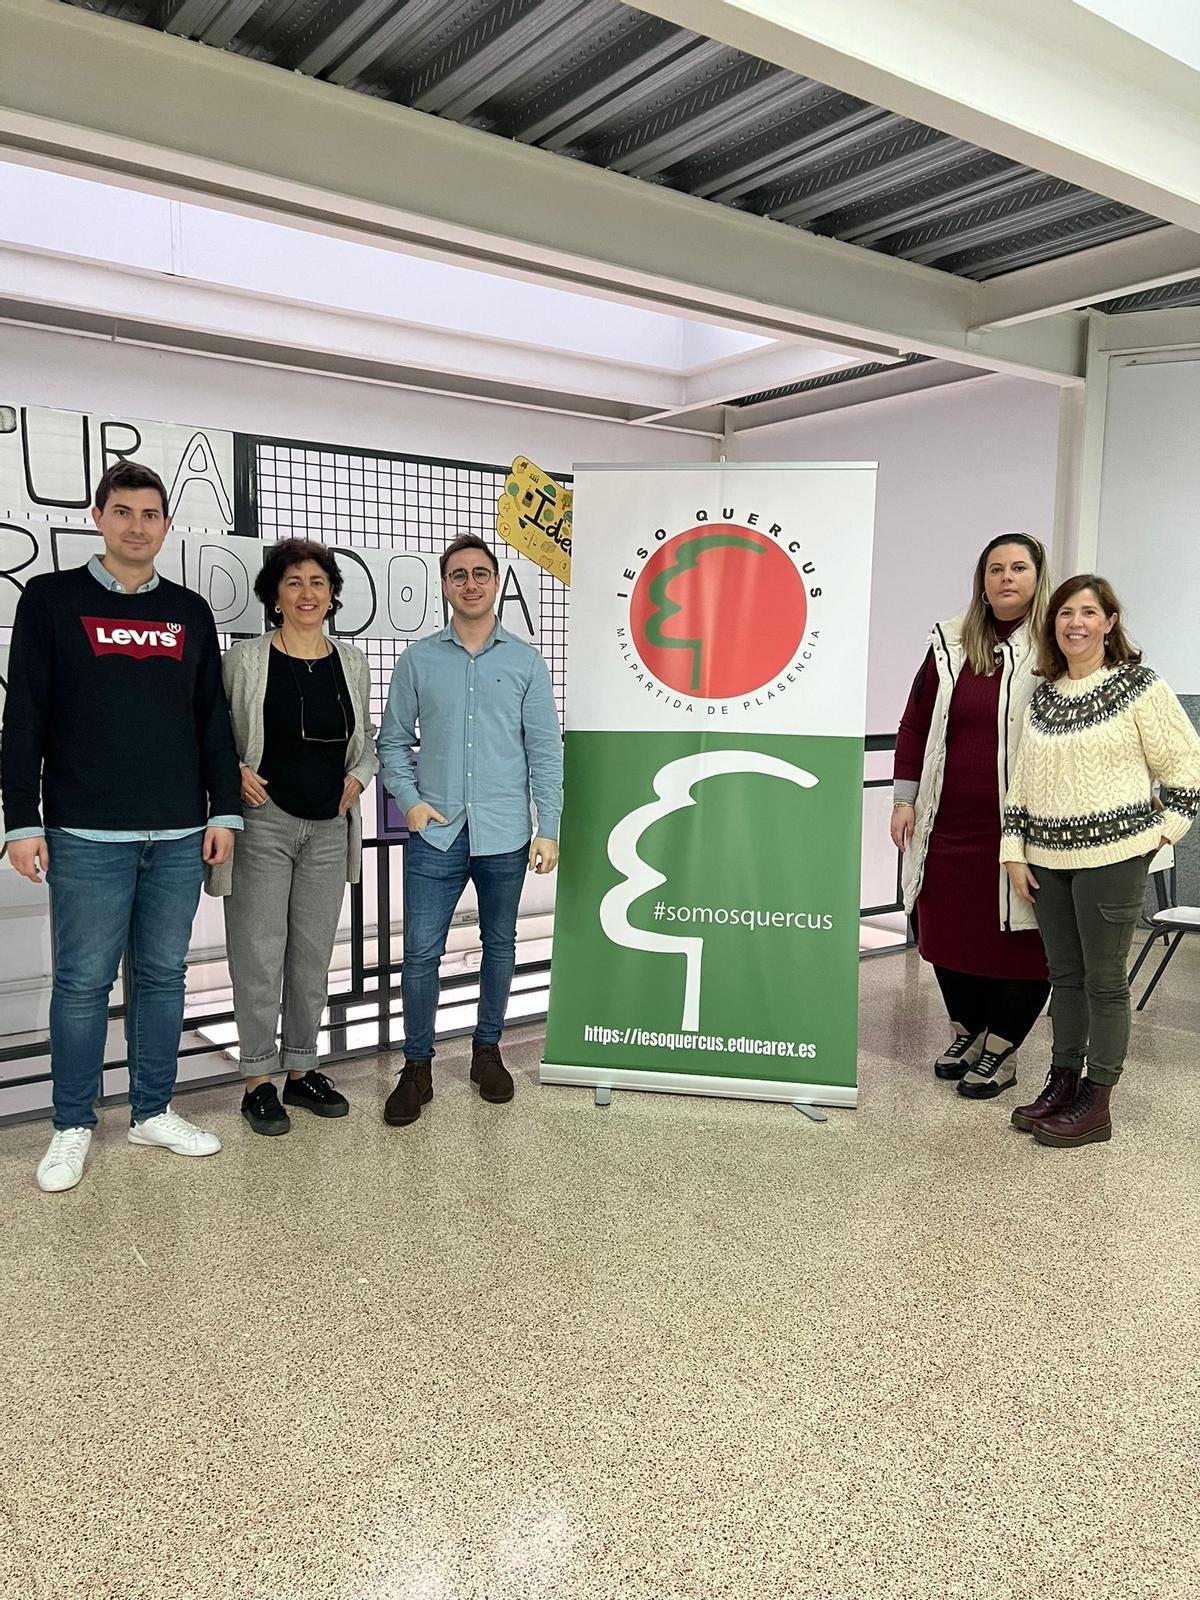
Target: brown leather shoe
(1085, 1121)
(1062, 1085)
(490, 1073)
(414, 1089)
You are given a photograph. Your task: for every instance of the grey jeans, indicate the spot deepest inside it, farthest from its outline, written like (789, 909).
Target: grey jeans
(1087, 917)
(289, 877)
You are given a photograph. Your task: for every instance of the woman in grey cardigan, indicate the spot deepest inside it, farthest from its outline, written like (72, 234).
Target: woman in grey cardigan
(301, 709)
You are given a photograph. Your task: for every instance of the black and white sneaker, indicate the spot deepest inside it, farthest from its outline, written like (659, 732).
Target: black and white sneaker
(991, 1074)
(960, 1056)
(315, 1092)
(262, 1111)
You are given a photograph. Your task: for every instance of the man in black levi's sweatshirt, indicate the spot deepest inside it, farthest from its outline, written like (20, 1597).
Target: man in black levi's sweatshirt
(120, 781)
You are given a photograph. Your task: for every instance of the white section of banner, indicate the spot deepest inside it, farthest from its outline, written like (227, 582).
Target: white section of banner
(786, 654)
(51, 462)
(388, 593)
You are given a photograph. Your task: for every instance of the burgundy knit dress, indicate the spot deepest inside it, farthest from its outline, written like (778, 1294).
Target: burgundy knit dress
(957, 912)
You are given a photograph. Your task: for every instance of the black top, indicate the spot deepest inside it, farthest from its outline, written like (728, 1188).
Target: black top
(305, 778)
(115, 716)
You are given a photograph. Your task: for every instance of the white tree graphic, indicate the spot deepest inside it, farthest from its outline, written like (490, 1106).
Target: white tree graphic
(675, 785)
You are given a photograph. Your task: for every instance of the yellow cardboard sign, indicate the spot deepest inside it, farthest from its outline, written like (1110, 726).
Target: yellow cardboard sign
(533, 514)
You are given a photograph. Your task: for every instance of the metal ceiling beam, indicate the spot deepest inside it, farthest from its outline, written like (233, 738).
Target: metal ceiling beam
(229, 22)
(937, 207)
(628, 55)
(216, 126)
(1167, 296)
(348, 28)
(186, 17)
(1130, 266)
(1031, 249)
(726, 117)
(691, 55)
(752, 373)
(1073, 95)
(999, 220)
(886, 385)
(851, 180)
(729, 182)
(216, 22)
(1159, 331)
(472, 71)
(410, 22)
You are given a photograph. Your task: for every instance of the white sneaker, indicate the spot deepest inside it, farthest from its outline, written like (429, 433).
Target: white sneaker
(62, 1165)
(176, 1133)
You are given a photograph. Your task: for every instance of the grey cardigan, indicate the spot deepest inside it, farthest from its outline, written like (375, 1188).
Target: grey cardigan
(244, 674)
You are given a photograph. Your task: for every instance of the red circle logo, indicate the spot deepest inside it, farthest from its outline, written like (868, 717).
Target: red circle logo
(718, 611)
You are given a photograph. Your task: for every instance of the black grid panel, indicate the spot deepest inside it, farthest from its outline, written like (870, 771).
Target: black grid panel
(364, 497)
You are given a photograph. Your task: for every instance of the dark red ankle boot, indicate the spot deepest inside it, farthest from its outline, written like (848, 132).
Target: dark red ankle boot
(1085, 1121)
(1062, 1085)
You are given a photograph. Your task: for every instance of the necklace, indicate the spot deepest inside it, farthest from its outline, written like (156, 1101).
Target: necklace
(304, 659)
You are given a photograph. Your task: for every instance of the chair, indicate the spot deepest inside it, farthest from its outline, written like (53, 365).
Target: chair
(1169, 923)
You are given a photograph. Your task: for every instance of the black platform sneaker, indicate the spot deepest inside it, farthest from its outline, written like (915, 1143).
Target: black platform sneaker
(262, 1111)
(315, 1092)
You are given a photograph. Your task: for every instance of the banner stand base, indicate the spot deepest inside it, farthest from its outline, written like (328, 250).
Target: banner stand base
(803, 1096)
(810, 1112)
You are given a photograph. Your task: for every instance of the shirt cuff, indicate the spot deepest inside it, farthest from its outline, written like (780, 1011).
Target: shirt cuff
(14, 834)
(405, 794)
(905, 789)
(225, 822)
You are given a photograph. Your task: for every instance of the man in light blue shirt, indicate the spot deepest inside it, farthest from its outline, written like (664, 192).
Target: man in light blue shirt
(480, 704)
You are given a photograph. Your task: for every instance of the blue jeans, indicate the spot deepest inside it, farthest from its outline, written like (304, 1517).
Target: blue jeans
(433, 882)
(103, 898)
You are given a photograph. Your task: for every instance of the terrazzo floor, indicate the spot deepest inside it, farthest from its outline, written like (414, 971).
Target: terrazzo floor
(671, 1350)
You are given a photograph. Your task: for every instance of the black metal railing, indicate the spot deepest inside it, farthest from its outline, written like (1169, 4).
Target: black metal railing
(879, 743)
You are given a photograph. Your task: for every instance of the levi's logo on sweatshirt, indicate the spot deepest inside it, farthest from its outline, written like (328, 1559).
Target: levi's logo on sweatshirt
(110, 636)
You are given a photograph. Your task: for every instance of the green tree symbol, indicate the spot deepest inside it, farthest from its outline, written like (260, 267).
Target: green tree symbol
(664, 608)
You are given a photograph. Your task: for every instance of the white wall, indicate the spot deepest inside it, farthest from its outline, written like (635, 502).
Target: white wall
(1149, 538)
(956, 465)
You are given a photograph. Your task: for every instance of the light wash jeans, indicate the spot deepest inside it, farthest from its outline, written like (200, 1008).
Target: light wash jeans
(281, 918)
(433, 882)
(105, 896)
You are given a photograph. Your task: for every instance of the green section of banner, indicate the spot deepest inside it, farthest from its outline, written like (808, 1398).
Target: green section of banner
(751, 880)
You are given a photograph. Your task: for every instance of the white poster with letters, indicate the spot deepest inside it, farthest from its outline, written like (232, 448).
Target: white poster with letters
(51, 461)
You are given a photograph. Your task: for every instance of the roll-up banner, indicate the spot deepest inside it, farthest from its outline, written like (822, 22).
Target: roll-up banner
(706, 924)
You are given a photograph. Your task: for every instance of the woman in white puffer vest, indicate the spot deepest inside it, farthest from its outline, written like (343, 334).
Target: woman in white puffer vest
(955, 751)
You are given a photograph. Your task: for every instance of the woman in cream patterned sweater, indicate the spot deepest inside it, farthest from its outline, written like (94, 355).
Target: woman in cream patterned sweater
(1080, 826)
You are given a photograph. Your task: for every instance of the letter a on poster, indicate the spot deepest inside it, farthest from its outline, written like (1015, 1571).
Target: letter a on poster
(706, 925)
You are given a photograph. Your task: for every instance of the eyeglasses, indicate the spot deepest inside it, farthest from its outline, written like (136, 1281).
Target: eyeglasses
(313, 738)
(479, 575)
(310, 738)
